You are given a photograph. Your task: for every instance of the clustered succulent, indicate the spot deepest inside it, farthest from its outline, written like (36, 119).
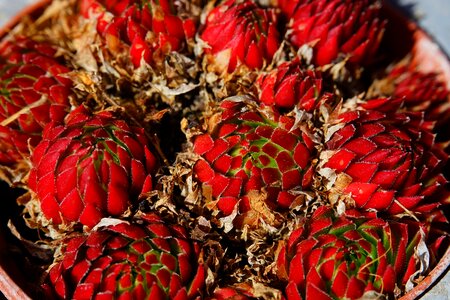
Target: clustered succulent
(32, 80)
(149, 260)
(234, 149)
(89, 167)
(150, 29)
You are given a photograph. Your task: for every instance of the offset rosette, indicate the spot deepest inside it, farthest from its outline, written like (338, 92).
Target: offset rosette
(91, 167)
(418, 91)
(249, 153)
(129, 261)
(35, 90)
(384, 162)
(345, 257)
(151, 29)
(290, 85)
(240, 33)
(351, 28)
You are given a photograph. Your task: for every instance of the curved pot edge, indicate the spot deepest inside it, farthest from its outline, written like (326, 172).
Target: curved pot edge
(9, 288)
(28, 10)
(424, 44)
(430, 280)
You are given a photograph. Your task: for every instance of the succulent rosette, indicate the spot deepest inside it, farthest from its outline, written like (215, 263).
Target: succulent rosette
(150, 28)
(418, 90)
(91, 166)
(35, 90)
(249, 153)
(291, 85)
(152, 260)
(240, 33)
(348, 257)
(384, 162)
(222, 149)
(352, 28)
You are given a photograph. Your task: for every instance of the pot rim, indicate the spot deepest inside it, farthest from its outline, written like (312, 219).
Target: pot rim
(424, 46)
(9, 288)
(430, 280)
(26, 11)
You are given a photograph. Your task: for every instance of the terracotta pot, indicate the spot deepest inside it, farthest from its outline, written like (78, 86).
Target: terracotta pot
(32, 10)
(8, 286)
(12, 280)
(403, 36)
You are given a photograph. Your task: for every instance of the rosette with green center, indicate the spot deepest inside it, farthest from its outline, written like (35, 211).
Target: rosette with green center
(145, 260)
(251, 153)
(34, 90)
(90, 167)
(348, 257)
